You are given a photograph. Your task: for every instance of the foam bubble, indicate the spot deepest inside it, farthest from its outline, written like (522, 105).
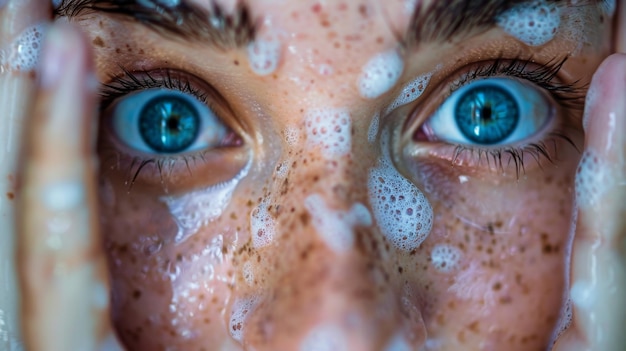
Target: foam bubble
(292, 136)
(534, 23)
(262, 225)
(402, 212)
(445, 258)
(336, 226)
(194, 210)
(242, 308)
(23, 53)
(410, 92)
(592, 179)
(264, 55)
(330, 129)
(372, 132)
(582, 295)
(248, 273)
(324, 338)
(380, 74)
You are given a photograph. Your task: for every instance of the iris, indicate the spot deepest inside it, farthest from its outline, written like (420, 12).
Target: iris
(169, 124)
(487, 114)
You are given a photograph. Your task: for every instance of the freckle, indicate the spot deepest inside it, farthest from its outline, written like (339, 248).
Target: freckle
(316, 8)
(363, 10)
(137, 294)
(236, 62)
(474, 327)
(10, 196)
(98, 42)
(118, 51)
(400, 270)
(100, 24)
(233, 215)
(497, 286)
(141, 52)
(380, 40)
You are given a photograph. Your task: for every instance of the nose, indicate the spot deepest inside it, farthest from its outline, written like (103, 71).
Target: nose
(328, 281)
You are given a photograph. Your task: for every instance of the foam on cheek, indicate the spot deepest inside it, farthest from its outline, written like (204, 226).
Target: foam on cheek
(324, 338)
(336, 226)
(264, 55)
(242, 308)
(591, 175)
(534, 23)
(262, 225)
(445, 258)
(23, 53)
(380, 74)
(402, 212)
(329, 129)
(194, 210)
(410, 92)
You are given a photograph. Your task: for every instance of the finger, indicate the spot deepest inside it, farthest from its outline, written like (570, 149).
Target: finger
(61, 263)
(620, 27)
(18, 18)
(599, 253)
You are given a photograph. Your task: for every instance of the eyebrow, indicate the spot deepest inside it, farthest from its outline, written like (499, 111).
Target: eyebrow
(184, 21)
(440, 21)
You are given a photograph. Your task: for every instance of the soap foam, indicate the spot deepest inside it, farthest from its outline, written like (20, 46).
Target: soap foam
(248, 273)
(534, 23)
(264, 55)
(592, 179)
(324, 338)
(401, 210)
(292, 136)
(196, 209)
(380, 74)
(262, 225)
(23, 53)
(410, 92)
(330, 129)
(445, 258)
(336, 226)
(242, 308)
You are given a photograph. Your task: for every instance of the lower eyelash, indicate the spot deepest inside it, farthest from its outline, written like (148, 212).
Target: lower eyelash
(501, 158)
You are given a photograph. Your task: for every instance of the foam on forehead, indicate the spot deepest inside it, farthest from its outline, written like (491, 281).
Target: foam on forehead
(534, 23)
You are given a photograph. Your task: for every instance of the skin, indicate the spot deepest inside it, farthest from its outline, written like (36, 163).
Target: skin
(513, 231)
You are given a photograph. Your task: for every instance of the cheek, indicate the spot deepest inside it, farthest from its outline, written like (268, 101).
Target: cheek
(492, 269)
(164, 291)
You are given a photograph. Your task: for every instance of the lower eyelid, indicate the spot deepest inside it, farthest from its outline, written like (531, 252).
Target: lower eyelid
(170, 174)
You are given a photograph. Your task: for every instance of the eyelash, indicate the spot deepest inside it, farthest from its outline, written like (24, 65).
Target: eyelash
(568, 95)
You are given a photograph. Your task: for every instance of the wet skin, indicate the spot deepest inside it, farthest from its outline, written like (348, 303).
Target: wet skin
(510, 224)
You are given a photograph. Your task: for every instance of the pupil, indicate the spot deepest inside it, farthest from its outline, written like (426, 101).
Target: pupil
(486, 114)
(169, 124)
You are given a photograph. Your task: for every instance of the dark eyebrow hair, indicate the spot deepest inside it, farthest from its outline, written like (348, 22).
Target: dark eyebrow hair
(184, 21)
(443, 20)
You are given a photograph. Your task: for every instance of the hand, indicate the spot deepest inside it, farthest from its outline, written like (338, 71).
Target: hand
(598, 261)
(61, 264)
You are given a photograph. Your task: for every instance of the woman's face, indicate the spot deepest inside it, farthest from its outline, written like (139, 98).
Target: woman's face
(340, 175)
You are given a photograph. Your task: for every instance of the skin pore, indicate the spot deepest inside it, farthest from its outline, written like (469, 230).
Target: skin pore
(296, 288)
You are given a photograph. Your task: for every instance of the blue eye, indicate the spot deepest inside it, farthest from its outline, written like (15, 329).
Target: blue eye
(166, 121)
(492, 111)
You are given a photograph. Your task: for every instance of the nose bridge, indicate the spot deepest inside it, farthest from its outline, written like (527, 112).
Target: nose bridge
(325, 279)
